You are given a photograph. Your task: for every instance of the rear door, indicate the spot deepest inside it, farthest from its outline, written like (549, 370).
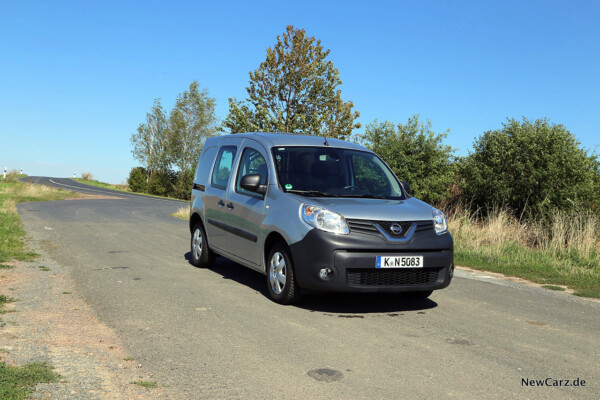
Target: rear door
(216, 214)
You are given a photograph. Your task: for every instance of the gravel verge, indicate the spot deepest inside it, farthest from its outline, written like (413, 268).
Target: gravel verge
(51, 323)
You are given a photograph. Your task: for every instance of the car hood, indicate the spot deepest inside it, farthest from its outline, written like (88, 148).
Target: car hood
(410, 209)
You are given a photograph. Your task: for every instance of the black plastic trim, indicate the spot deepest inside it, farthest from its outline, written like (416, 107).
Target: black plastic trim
(197, 186)
(236, 231)
(340, 253)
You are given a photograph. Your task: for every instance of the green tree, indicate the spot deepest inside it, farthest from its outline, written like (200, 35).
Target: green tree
(162, 183)
(138, 180)
(416, 154)
(151, 142)
(192, 121)
(532, 168)
(294, 90)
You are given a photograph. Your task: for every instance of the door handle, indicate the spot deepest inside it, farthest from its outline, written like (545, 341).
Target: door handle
(230, 206)
(221, 203)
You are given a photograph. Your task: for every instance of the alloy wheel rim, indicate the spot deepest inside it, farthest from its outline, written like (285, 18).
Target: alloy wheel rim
(277, 273)
(197, 244)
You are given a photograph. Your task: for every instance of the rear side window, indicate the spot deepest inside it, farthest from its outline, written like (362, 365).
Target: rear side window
(204, 165)
(222, 168)
(252, 162)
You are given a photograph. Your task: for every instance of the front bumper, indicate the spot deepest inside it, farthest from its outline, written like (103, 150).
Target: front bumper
(351, 259)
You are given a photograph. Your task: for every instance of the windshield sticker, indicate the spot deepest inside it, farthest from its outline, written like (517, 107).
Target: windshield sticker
(288, 186)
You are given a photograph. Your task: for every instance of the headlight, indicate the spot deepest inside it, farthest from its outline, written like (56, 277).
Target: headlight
(323, 219)
(439, 221)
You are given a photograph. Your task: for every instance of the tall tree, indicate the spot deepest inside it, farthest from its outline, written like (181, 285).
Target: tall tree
(151, 145)
(416, 154)
(294, 90)
(192, 121)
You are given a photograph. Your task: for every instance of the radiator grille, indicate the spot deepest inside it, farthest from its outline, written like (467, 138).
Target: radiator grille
(391, 277)
(361, 225)
(366, 226)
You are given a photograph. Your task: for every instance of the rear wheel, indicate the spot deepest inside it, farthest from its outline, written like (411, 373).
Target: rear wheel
(202, 256)
(281, 280)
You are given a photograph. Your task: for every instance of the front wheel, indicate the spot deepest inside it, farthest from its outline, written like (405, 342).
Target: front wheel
(202, 256)
(281, 280)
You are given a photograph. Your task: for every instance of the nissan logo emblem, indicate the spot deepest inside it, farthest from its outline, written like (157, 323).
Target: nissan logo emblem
(396, 229)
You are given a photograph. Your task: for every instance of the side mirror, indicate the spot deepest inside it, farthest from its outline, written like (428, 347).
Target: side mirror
(252, 184)
(406, 187)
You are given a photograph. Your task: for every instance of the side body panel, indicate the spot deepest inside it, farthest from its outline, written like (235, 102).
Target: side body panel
(247, 214)
(215, 199)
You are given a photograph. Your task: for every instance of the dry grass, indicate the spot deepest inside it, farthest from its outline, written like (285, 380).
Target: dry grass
(29, 192)
(564, 250)
(87, 176)
(12, 244)
(182, 213)
(566, 232)
(11, 175)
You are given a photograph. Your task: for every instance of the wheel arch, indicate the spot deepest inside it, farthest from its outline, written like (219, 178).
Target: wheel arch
(194, 219)
(270, 241)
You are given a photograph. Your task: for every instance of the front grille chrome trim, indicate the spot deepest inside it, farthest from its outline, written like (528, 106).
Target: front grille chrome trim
(392, 239)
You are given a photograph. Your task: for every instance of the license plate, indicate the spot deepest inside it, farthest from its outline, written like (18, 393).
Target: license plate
(399, 262)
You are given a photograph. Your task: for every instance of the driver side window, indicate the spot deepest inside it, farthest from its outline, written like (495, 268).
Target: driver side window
(252, 162)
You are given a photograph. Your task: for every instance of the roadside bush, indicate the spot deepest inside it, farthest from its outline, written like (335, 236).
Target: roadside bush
(162, 183)
(531, 168)
(87, 176)
(183, 186)
(137, 180)
(416, 154)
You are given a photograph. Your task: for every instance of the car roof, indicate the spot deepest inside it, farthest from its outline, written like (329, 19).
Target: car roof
(287, 139)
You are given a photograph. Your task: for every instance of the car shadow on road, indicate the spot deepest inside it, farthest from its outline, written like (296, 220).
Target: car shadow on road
(231, 270)
(345, 304)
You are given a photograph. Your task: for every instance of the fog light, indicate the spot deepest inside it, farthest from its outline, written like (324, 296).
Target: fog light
(324, 273)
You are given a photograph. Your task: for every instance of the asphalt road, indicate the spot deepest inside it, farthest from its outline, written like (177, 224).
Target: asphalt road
(213, 333)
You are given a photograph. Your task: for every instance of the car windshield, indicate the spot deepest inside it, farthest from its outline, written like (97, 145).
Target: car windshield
(334, 172)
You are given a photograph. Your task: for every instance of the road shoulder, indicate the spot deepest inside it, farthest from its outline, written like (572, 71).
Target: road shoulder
(51, 323)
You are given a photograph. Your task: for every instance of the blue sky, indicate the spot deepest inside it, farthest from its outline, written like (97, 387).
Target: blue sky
(76, 78)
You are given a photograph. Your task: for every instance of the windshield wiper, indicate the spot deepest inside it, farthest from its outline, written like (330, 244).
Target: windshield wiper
(315, 193)
(366, 196)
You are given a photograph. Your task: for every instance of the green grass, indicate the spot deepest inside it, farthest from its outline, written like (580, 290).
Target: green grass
(536, 265)
(18, 383)
(3, 300)
(146, 384)
(99, 184)
(128, 359)
(12, 244)
(43, 268)
(564, 251)
(4, 266)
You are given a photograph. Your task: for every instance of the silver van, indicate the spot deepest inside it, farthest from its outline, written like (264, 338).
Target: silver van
(316, 214)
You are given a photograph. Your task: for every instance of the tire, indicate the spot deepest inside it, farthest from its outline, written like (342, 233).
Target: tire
(281, 279)
(202, 256)
(419, 295)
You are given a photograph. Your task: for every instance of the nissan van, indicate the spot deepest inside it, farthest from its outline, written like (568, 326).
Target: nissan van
(315, 214)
